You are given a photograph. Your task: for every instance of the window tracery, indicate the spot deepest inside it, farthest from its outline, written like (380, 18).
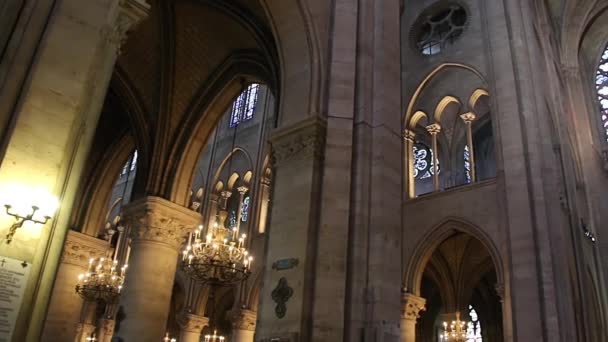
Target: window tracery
(601, 85)
(438, 28)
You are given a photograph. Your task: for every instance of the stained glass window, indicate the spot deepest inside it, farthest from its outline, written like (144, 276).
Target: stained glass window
(423, 162)
(601, 84)
(474, 327)
(243, 107)
(245, 209)
(130, 165)
(467, 164)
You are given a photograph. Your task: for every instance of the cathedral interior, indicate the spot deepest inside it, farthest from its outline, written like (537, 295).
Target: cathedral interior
(303, 170)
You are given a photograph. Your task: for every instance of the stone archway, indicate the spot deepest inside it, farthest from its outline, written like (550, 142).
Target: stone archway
(455, 267)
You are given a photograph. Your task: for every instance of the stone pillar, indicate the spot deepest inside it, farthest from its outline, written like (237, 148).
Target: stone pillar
(409, 138)
(106, 330)
(296, 155)
(468, 119)
(158, 228)
(243, 325)
(46, 147)
(433, 130)
(191, 327)
(65, 307)
(412, 306)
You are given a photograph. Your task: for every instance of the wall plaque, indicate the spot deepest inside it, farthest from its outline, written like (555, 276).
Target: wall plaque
(13, 278)
(285, 264)
(281, 295)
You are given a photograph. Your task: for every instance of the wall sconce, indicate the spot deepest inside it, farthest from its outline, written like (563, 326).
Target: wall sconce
(33, 205)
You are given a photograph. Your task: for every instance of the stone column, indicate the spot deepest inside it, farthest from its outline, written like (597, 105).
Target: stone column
(64, 313)
(412, 306)
(158, 229)
(409, 138)
(296, 155)
(191, 327)
(51, 132)
(106, 330)
(243, 325)
(468, 119)
(433, 130)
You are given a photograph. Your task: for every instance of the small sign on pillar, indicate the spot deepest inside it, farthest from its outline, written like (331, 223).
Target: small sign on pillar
(13, 279)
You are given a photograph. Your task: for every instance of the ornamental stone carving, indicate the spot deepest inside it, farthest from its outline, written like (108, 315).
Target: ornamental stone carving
(130, 13)
(191, 322)
(302, 141)
(243, 319)
(79, 248)
(159, 220)
(412, 305)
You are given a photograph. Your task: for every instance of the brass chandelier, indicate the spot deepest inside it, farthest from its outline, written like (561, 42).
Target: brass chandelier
(456, 331)
(102, 281)
(217, 255)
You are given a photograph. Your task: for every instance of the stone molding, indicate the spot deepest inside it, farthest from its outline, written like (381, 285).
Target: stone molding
(157, 219)
(243, 319)
(79, 248)
(302, 141)
(412, 305)
(192, 323)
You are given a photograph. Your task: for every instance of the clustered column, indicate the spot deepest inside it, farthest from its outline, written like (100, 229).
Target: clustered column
(158, 228)
(191, 327)
(412, 305)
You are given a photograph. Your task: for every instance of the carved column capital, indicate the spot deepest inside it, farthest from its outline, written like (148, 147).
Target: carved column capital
(156, 219)
(192, 323)
(242, 190)
(130, 13)
(79, 248)
(468, 117)
(411, 306)
(243, 319)
(433, 129)
(409, 135)
(302, 141)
